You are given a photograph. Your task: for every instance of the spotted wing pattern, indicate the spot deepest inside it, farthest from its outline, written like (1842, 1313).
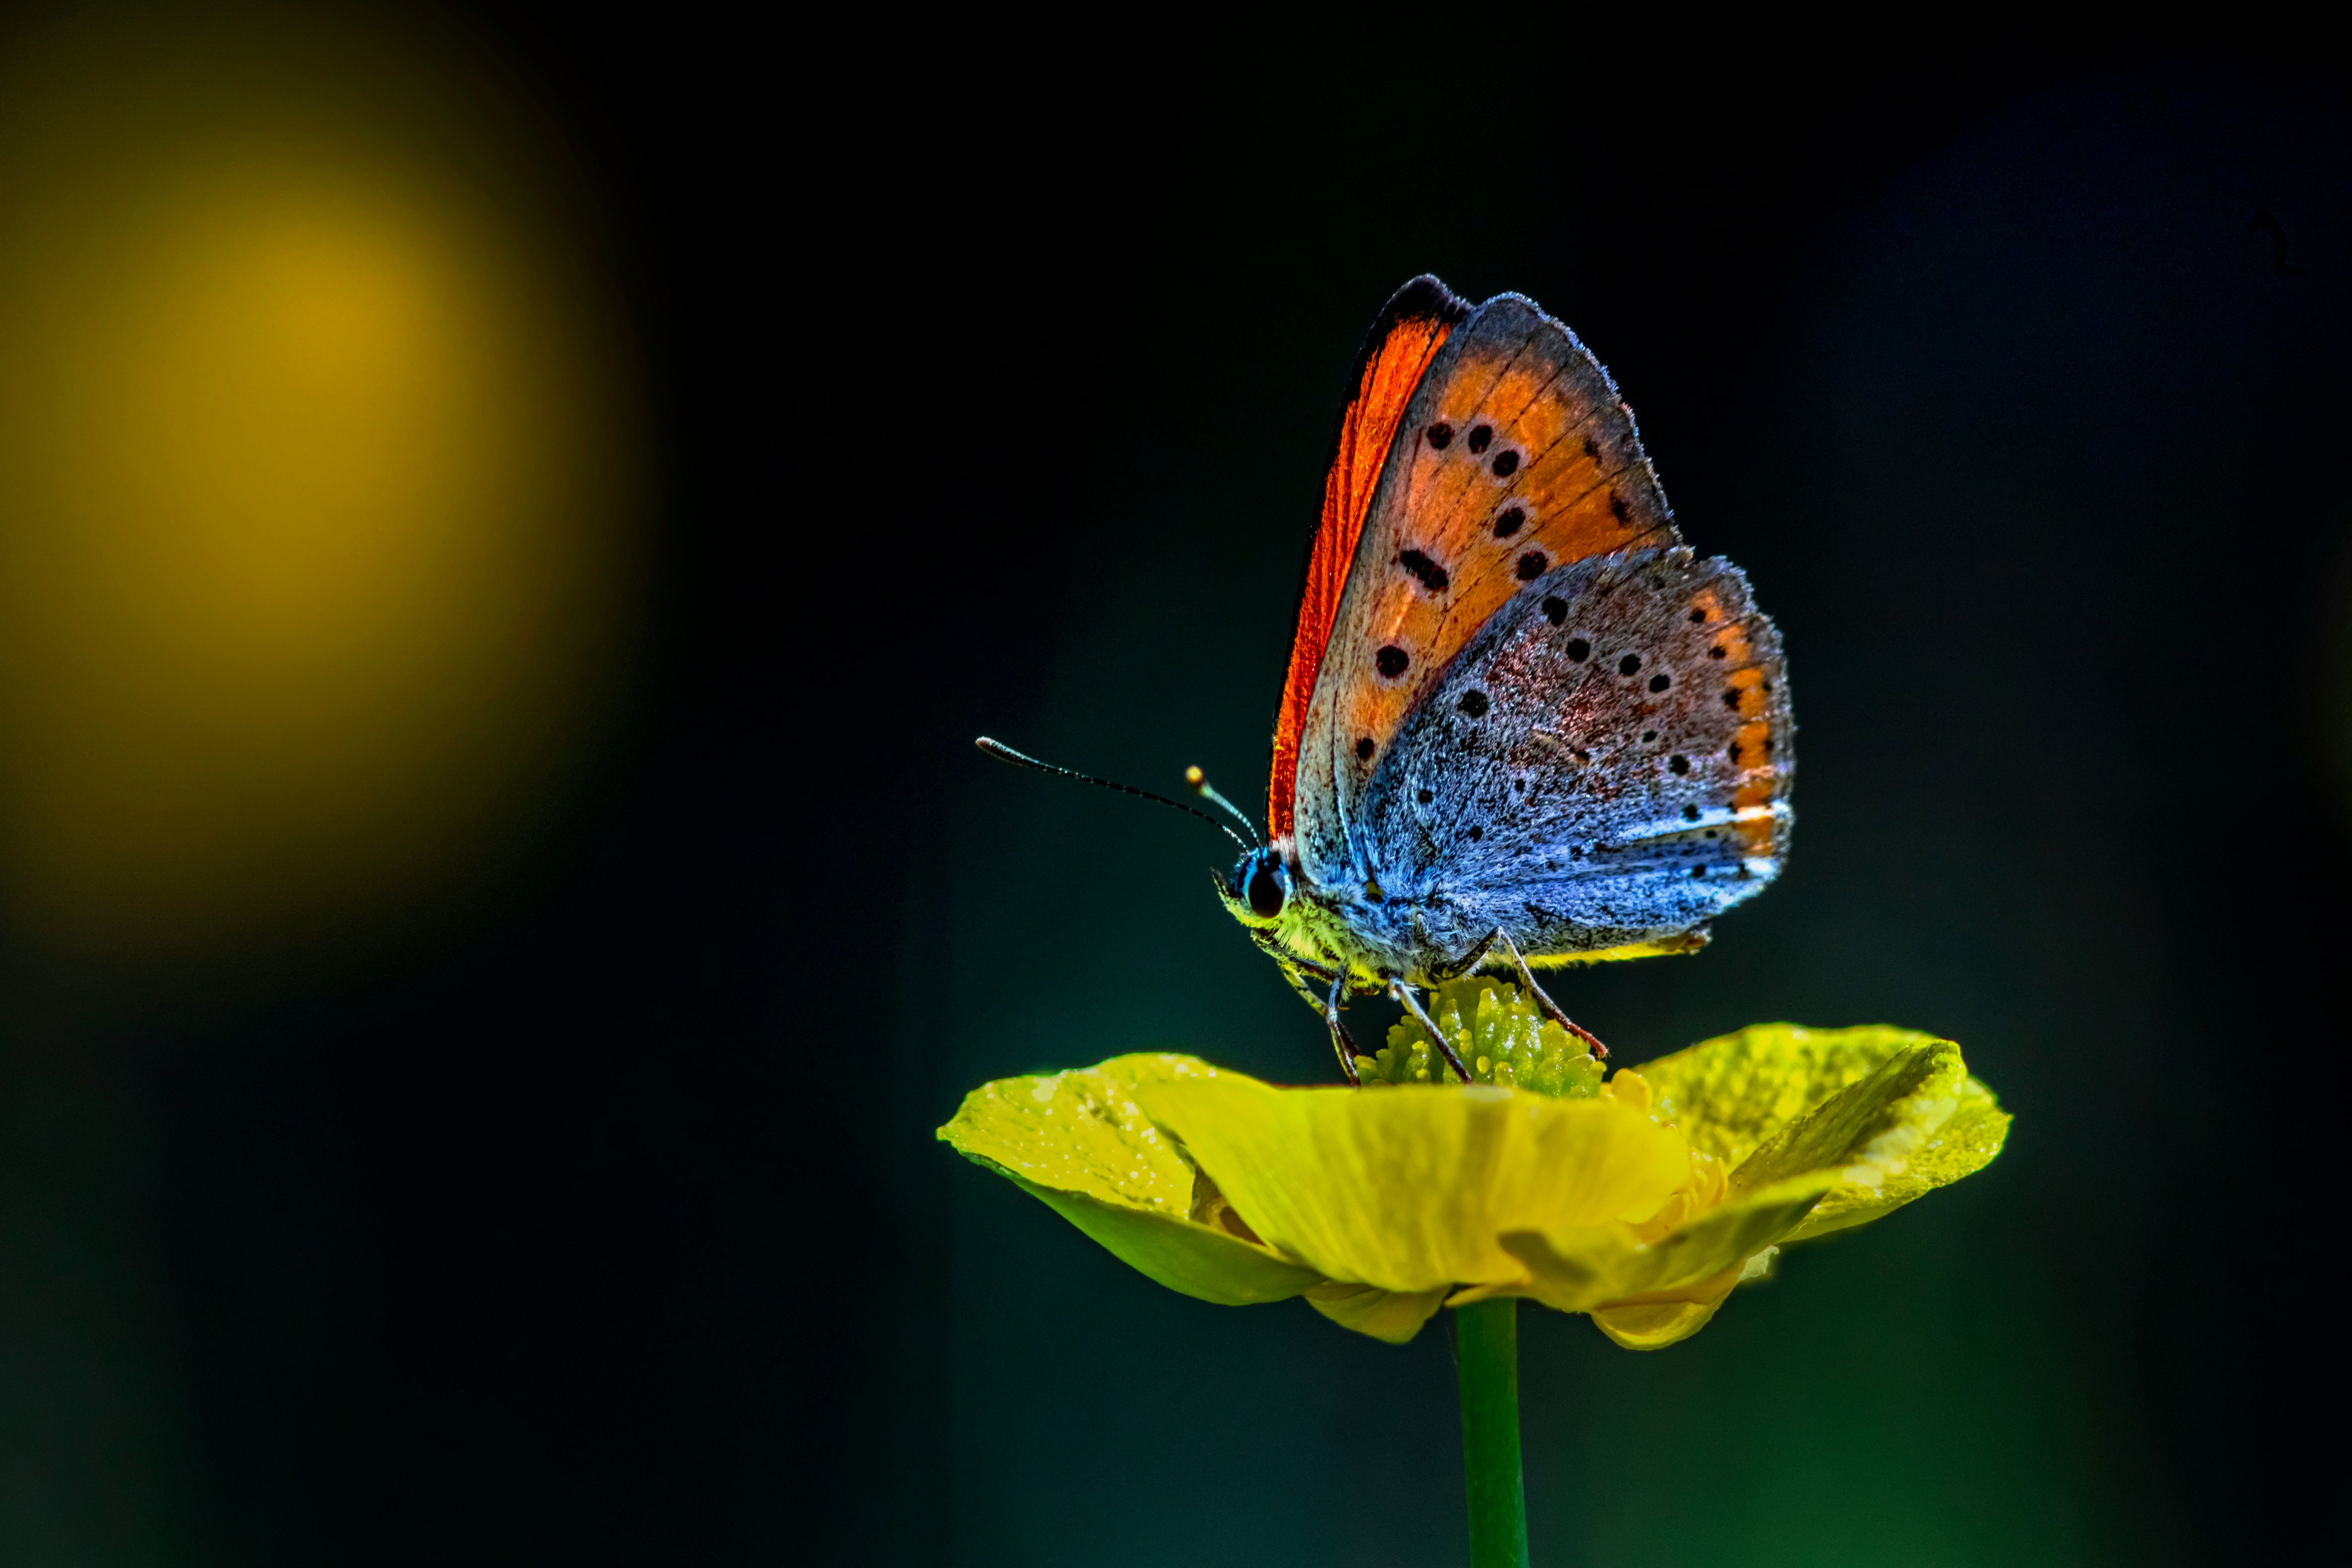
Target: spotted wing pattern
(1607, 765)
(1407, 334)
(1514, 458)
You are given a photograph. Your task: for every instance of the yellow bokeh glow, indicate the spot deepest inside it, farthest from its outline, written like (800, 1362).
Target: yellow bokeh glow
(313, 476)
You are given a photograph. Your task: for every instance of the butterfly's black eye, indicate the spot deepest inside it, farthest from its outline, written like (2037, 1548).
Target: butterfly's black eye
(1265, 894)
(1481, 436)
(1441, 436)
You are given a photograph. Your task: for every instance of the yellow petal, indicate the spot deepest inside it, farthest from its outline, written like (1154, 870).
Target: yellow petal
(1964, 1141)
(1180, 1255)
(1661, 1317)
(1578, 1272)
(1390, 1315)
(1078, 1141)
(1827, 1128)
(1409, 1188)
(1911, 1123)
(1654, 1323)
(1730, 1094)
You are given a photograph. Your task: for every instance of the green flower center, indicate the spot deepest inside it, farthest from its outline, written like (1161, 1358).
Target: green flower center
(1501, 1037)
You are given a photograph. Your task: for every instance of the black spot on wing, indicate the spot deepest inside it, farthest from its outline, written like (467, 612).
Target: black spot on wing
(1392, 661)
(1432, 577)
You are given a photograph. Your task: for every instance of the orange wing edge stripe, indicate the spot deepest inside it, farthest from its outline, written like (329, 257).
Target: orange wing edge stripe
(1405, 337)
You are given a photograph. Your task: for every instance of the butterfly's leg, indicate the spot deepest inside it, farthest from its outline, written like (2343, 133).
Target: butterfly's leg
(1403, 993)
(1458, 968)
(1551, 1009)
(1296, 971)
(1341, 1042)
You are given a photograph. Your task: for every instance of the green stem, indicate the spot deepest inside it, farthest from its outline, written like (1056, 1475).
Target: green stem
(1486, 1356)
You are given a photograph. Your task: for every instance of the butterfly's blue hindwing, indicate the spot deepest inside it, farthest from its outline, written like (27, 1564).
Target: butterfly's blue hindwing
(1607, 765)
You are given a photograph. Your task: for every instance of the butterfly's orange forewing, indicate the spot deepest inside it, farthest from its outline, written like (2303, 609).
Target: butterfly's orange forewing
(1404, 338)
(1516, 457)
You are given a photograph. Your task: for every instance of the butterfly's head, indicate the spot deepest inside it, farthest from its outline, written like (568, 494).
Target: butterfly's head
(1259, 890)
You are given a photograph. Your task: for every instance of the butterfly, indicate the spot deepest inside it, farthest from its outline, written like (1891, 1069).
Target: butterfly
(1522, 723)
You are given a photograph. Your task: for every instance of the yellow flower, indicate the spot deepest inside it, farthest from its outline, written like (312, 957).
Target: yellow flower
(1642, 1200)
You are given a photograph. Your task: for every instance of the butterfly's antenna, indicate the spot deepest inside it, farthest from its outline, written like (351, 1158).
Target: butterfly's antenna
(1201, 786)
(1004, 754)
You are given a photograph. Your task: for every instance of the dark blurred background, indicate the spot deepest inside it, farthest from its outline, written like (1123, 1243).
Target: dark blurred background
(480, 973)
